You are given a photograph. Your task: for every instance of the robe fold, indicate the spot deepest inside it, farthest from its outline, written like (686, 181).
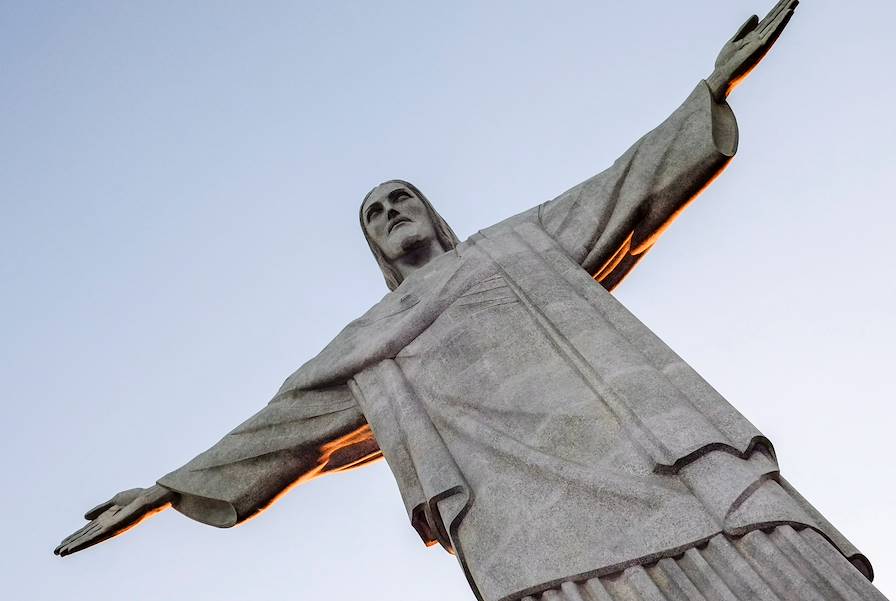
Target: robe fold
(534, 426)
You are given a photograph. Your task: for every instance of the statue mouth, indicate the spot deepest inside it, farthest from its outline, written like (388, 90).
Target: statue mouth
(398, 221)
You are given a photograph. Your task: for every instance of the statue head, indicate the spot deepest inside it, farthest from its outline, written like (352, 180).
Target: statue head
(398, 220)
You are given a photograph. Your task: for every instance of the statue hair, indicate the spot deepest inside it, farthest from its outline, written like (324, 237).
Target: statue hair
(444, 234)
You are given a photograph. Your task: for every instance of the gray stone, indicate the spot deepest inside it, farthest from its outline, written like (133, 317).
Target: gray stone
(535, 427)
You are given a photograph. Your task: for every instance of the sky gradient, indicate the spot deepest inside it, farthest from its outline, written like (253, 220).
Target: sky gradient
(178, 220)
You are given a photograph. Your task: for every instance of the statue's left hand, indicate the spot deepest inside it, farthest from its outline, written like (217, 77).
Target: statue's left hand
(120, 513)
(748, 46)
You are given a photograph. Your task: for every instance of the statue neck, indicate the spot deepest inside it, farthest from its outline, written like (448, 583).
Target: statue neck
(417, 257)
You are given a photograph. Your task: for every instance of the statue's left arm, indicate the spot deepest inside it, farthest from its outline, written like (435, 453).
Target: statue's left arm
(609, 222)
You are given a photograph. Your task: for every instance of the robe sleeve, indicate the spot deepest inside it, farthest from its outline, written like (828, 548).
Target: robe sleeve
(609, 221)
(299, 435)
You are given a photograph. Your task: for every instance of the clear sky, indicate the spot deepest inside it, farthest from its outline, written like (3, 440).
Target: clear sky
(179, 185)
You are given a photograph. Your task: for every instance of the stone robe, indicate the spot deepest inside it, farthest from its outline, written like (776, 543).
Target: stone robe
(535, 427)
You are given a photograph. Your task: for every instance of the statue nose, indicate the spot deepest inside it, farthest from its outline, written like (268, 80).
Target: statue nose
(391, 214)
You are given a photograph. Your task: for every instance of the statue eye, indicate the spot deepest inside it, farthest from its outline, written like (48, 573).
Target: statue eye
(373, 212)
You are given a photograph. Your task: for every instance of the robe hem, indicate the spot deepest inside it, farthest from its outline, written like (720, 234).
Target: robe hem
(680, 550)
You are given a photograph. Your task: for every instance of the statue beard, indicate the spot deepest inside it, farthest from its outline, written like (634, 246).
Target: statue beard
(411, 243)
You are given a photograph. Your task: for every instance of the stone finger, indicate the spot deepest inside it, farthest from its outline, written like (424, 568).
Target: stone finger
(748, 26)
(770, 21)
(773, 14)
(82, 542)
(771, 35)
(72, 536)
(99, 509)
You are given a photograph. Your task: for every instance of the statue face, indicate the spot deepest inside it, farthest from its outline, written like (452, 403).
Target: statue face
(396, 220)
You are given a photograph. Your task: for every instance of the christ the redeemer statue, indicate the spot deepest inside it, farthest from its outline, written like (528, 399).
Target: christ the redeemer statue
(535, 427)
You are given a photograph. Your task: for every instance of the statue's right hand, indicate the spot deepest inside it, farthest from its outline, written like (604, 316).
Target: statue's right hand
(120, 513)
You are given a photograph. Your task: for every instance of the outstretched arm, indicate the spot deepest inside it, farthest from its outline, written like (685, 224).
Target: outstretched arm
(299, 435)
(608, 222)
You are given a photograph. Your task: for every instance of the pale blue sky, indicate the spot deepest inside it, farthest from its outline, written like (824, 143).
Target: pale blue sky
(179, 185)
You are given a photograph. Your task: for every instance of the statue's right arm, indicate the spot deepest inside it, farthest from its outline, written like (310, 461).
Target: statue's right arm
(117, 515)
(298, 436)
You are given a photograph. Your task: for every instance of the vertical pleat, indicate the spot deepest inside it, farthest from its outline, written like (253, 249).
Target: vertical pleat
(856, 579)
(780, 565)
(781, 574)
(633, 585)
(595, 588)
(673, 582)
(572, 591)
(813, 565)
(722, 566)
